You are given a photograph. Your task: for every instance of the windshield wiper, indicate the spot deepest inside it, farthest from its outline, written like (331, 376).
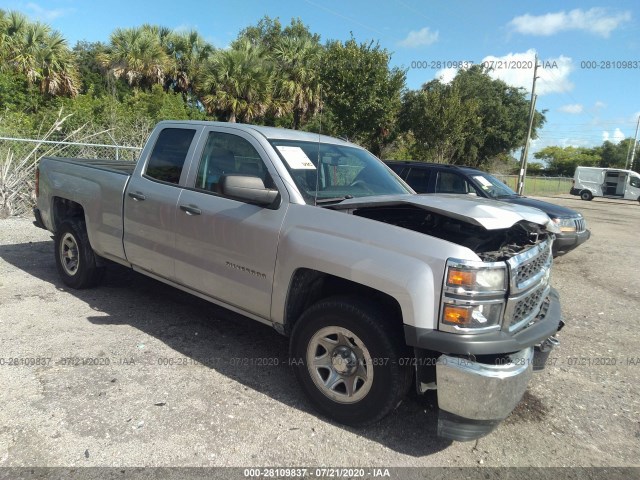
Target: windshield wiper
(325, 201)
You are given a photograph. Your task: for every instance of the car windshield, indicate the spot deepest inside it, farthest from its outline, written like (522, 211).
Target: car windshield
(336, 171)
(493, 187)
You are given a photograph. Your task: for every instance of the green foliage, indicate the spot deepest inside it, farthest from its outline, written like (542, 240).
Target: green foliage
(362, 93)
(443, 124)
(469, 121)
(564, 160)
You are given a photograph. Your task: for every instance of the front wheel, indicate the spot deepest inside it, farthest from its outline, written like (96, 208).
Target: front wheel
(347, 358)
(75, 258)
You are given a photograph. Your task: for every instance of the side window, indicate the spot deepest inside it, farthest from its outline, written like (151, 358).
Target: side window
(398, 169)
(169, 153)
(450, 182)
(418, 179)
(228, 154)
(635, 182)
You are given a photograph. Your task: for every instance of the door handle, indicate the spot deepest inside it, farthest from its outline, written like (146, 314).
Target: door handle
(138, 197)
(189, 210)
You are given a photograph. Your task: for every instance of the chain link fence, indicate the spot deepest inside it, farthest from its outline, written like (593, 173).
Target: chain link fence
(539, 186)
(19, 158)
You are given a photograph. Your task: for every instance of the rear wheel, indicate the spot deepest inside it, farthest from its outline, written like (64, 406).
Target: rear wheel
(347, 356)
(75, 258)
(586, 195)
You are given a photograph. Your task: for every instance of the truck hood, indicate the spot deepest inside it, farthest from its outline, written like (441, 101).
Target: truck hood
(486, 213)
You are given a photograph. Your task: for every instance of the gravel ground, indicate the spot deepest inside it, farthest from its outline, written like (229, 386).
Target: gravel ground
(172, 381)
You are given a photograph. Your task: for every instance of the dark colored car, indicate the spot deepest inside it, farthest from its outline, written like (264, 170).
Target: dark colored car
(439, 178)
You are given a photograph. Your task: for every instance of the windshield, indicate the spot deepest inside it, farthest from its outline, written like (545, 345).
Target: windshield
(493, 187)
(337, 171)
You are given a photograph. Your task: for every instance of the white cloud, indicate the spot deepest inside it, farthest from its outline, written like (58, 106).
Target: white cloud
(596, 21)
(617, 136)
(573, 109)
(599, 105)
(423, 37)
(446, 75)
(516, 69)
(44, 14)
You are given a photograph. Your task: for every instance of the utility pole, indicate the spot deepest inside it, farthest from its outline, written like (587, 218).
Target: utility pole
(633, 152)
(525, 150)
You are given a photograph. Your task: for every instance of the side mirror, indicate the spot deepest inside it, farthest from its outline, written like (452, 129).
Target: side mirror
(248, 188)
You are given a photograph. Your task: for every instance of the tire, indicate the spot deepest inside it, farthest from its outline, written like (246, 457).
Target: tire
(586, 195)
(75, 258)
(357, 350)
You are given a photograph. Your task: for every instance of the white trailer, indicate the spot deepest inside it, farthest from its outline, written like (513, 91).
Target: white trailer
(590, 182)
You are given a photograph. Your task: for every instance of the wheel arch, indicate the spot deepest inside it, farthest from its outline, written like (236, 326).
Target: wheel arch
(63, 209)
(308, 286)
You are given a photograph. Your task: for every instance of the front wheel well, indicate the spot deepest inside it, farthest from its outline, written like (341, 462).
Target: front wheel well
(309, 286)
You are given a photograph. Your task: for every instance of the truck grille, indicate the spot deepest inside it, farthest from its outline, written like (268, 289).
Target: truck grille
(526, 309)
(581, 225)
(529, 274)
(529, 267)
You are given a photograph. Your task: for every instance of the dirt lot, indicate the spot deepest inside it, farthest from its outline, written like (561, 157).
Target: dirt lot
(171, 383)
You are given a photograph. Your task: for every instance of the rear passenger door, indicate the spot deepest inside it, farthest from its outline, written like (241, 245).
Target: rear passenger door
(150, 202)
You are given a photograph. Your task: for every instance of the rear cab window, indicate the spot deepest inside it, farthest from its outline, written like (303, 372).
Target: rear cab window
(169, 153)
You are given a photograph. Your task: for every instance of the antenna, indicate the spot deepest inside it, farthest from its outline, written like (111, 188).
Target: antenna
(319, 162)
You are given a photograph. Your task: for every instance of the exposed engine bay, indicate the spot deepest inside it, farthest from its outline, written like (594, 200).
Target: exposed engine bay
(489, 245)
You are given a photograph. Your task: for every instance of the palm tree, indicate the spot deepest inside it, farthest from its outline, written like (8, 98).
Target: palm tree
(39, 53)
(58, 71)
(238, 83)
(137, 55)
(188, 51)
(298, 61)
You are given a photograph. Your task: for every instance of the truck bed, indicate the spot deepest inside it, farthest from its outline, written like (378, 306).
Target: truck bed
(115, 166)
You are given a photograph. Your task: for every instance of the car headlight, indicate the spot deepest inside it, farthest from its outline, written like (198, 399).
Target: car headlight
(566, 225)
(469, 279)
(473, 296)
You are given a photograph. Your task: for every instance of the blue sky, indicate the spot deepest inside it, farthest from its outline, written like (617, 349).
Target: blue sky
(585, 105)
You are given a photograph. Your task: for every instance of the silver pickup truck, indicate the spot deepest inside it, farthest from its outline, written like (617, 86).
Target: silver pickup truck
(378, 288)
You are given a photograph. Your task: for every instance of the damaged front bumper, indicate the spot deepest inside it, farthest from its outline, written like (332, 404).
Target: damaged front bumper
(480, 380)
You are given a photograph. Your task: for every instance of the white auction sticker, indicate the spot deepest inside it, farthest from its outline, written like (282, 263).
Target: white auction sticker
(485, 183)
(296, 158)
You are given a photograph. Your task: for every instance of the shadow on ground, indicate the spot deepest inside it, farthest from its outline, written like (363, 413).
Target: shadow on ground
(207, 334)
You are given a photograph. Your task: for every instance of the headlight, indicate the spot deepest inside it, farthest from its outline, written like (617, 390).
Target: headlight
(566, 225)
(473, 296)
(470, 279)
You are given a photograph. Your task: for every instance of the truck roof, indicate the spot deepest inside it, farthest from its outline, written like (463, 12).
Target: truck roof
(271, 133)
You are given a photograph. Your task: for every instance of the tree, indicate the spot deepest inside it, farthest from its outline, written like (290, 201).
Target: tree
(503, 110)
(614, 155)
(361, 93)
(564, 160)
(269, 32)
(138, 55)
(440, 121)
(238, 83)
(298, 82)
(188, 51)
(39, 53)
(472, 120)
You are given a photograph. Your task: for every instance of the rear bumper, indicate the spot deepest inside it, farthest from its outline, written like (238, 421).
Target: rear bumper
(565, 242)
